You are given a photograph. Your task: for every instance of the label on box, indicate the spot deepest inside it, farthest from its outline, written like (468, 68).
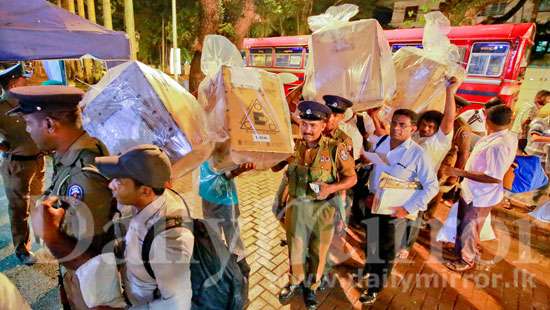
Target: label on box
(261, 138)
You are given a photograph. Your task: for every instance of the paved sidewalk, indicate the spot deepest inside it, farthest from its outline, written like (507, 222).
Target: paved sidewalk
(521, 280)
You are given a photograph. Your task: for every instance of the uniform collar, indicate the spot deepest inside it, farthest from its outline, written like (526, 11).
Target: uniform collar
(324, 139)
(71, 155)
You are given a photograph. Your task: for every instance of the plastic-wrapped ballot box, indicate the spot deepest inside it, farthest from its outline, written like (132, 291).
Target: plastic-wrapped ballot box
(349, 59)
(420, 81)
(135, 104)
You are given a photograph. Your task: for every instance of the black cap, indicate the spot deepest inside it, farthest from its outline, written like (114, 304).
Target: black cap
(145, 163)
(10, 73)
(313, 111)
(337, 104)
(45, 99)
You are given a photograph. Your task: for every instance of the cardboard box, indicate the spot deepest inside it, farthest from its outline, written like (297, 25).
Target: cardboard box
(352, 60)
(247, 110)
(420, 82)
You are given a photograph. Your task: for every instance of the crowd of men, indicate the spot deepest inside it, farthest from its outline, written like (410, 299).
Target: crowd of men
(328, 175)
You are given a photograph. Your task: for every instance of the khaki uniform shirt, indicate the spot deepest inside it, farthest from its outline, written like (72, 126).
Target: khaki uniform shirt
(340, 136)
(87, 192)
(344, 162)
(14, 133)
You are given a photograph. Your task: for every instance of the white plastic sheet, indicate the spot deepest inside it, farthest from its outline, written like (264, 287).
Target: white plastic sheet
(349, 59)
(542, 213)
(135, 104)
(447, 233)
(247, 113)
(100, 282)
(421, 79)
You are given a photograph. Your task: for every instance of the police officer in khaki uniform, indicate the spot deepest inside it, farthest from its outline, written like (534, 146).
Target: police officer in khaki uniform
(338, 106)
(76, 209)
(319, 170)
(22, 168)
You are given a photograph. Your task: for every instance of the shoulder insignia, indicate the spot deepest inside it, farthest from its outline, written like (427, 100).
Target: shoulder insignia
(75, 191)
(344, 154)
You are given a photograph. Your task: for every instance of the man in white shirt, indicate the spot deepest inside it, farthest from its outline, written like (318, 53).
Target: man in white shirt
(525, 113)
(387, 233)
(139, 178)
(435, 129)
(482, 185)
(435, 136)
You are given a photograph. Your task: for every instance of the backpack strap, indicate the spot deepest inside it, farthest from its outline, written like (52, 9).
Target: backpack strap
(163, 224)
(160, 226)
(380, 142)
(361, 124)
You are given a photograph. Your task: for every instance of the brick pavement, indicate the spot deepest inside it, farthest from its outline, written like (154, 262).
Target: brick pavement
(521, 278)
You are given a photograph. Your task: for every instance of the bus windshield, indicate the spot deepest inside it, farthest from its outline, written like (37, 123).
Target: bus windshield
(487, 58)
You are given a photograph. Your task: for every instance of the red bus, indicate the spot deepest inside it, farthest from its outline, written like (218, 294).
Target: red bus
(495, 56)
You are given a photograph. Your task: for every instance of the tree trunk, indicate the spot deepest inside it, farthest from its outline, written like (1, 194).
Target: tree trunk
(242, 26)
(107, 18)
(70, 6)
(130, 27)
(536, 4)
(81, 10)
(506, 16)
(209, 23)
(91, 10)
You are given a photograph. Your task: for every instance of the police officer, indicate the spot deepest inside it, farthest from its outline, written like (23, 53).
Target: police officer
(338, 105)
(77, 206)
(23, 166)
(318, 171)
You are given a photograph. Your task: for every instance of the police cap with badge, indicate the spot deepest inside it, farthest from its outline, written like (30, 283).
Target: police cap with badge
(56, 98)
(337, 104)
(313, 111)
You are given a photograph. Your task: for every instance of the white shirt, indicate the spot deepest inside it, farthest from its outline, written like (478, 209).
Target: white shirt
(407, 162)
(169, 257)
(436, 146)
(492, 155)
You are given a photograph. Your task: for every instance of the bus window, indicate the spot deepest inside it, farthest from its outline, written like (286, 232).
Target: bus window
(398, 46)
(261, 57)
(306, 56)
(288, 57)
(487, 58)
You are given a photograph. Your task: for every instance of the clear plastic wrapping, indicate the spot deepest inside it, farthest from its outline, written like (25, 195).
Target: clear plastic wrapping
(422, 72)
(247, 113)
(135, 104)
(349, 59)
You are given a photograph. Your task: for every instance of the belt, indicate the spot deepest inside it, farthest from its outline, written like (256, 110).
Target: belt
(21, 157)
(314, 199)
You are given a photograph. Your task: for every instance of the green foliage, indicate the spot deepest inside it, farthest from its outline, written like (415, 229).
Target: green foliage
(289, 17)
